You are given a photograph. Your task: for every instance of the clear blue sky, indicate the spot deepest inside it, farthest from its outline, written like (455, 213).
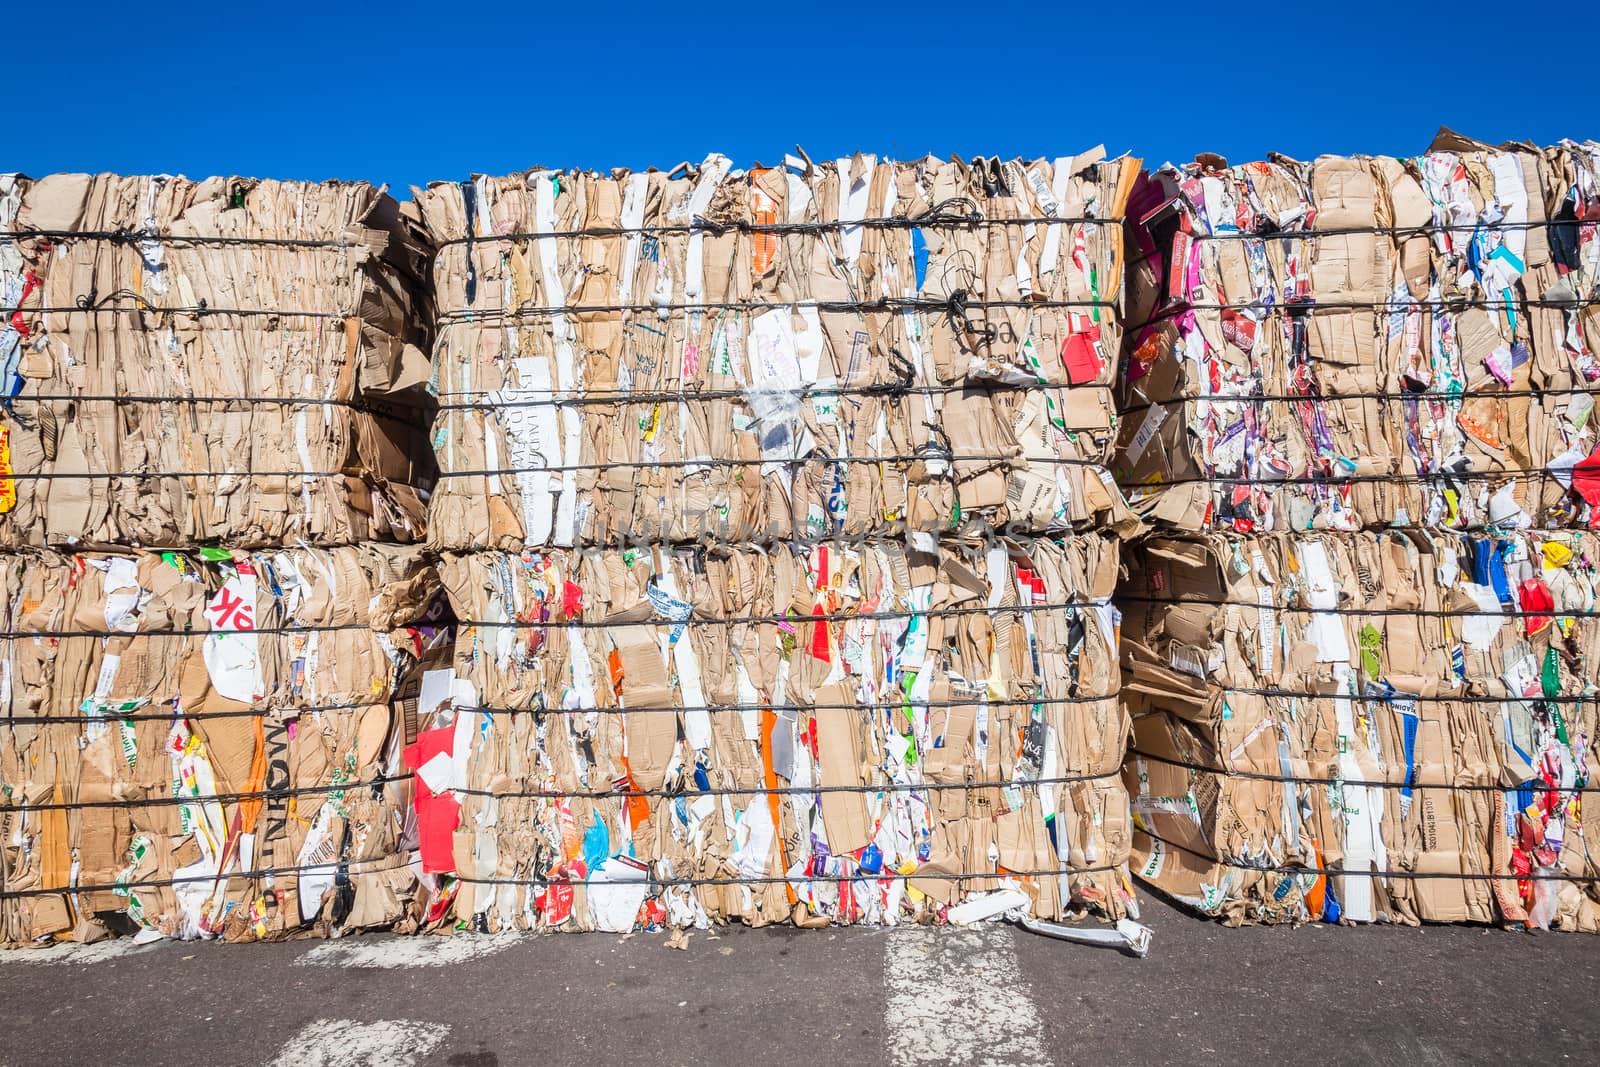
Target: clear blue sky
(409, 92)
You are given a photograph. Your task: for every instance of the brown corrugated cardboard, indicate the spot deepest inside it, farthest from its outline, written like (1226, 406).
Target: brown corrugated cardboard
(222, 360)
(196, 743)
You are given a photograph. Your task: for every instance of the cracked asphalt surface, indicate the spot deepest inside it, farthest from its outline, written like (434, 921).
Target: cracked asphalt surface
(1205, 994)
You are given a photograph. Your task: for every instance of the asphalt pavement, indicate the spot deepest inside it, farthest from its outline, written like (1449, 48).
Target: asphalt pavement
(993, 994)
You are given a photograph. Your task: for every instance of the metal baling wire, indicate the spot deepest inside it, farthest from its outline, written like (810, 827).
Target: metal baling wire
(927, 452)
(1348, 479)
(1398, 697)
(1432, 613)
(118, 398)
(11, 635)
(135, 237)
(226, 798)
(295, 711)
(533, 881)
(588, 624)
(1486, 393)
(558, 794)
(93, 304)
(1362, 231)
(902, 388)
(734, 620)
(1409, 534)
(884, 304)
(933, 218)
(372, 479)
(784, 791)
(45, 476)
(1309, 307)
(1460, 787)
(1331, 872)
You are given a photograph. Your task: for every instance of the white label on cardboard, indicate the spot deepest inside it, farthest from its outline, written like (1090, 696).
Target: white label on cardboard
(1152, 421)
(108, 672)
(232, 658)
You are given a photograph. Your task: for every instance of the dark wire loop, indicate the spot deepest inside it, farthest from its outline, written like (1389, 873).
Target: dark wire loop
(1357, 783)
(904, 386)
(225, 798)
(692, 792)
(1339, 872)
(118, 398)
(1400, 698)
(1443, 304)
(688, 792)
(13, 635)
(1432, 613)
(936, 216)
(1334, 481)
(356, 867)
(45, 476)
(135, 237)
(1486, 393)
(1020, 459)
(881, 304)
(736, 620)
(91, 305)
(1425, 230)
(285, 713)
(80, 718)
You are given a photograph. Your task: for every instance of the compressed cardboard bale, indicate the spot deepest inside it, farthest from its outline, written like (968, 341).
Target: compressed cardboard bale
(208, 743)
(1364, 342)
(226, 360)
(797, 351)
(1366, 726)
(842, 733)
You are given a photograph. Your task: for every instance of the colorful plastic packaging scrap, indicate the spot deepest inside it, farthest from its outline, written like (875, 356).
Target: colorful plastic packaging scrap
(1372, 726)
(1356, 651)
(851, 346)
(850, 735)
(1365, 342)
(207, 743)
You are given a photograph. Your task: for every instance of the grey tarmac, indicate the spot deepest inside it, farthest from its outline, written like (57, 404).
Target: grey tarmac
(992, 994)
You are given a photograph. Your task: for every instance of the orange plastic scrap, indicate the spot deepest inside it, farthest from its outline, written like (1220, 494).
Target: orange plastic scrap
(8, 484)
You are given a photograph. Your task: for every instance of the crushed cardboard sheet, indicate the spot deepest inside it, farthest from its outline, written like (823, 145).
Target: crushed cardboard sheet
(865, 735)
(188, 734)
(783, 352)
(223, 361)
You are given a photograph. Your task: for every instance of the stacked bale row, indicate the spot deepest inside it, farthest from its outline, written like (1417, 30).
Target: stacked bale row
(213, 412)
(766, 500)
(1359, 633)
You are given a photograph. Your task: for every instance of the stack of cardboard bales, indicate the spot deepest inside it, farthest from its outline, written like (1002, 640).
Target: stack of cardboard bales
(773, 510)
(1358, 637)
(212, 444)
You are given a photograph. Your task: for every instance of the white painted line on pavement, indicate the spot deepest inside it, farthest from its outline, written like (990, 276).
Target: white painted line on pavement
(348, 1043)
(958, 997)
(73, 952)
(388, 952)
